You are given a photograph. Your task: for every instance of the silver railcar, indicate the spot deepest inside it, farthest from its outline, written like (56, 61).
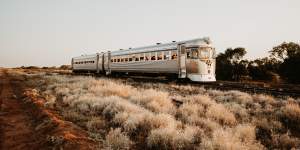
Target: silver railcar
(193, 59)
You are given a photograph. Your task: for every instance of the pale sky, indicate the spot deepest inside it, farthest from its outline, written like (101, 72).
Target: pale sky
(51, 32)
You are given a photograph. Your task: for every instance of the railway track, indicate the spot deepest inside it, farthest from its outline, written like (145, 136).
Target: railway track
(226, 86)
(278, 91)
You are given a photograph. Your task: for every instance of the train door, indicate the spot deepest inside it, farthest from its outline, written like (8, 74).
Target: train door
(72, 64)
(181, 61)
(97, 63)
(102, 62)
(108, 71)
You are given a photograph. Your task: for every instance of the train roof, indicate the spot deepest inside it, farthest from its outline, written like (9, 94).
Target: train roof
(85, 56)
(194, 42)
(166, 46)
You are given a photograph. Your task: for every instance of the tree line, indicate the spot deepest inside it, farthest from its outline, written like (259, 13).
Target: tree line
(282, 64)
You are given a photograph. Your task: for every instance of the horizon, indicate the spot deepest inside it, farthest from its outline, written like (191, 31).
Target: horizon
(50, 33)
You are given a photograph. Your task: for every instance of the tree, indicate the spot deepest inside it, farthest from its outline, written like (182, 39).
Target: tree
(285, 50)
(229, 65)
(289, 56)
(261, 69)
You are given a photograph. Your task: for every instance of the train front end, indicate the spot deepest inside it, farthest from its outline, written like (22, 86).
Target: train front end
(201, 63)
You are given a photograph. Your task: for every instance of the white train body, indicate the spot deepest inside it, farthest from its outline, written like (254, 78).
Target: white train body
(193, 59)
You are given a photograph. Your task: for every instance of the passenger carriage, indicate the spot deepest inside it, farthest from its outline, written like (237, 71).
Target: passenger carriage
(192, 59)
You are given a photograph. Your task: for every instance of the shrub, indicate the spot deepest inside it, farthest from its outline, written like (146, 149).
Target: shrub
(285, 141)
(187, 111)
(221, 114)
(172, 138)
(95, 124)
(240, 137)
(156, 101)
(292, 111)
(117, 140)
(261, 98)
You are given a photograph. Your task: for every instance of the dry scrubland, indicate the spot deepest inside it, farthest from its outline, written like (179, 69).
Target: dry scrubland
(128, 115)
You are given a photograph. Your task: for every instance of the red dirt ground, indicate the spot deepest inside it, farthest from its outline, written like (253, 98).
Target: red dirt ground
(26, 124)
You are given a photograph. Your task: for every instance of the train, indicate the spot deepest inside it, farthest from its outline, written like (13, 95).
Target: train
(191, 59)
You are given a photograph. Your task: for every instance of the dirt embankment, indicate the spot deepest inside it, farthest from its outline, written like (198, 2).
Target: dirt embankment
(26, 124)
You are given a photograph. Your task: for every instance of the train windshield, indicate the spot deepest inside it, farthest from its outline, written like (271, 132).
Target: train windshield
(200, 53)
(204, 52)
(194, 54)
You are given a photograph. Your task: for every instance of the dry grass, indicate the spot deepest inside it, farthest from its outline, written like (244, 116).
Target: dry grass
(117, 140)
(240, 137)
(292, 111)
(221, 114)
(145, 117)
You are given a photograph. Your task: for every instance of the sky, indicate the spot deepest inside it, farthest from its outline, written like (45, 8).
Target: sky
(51, 32)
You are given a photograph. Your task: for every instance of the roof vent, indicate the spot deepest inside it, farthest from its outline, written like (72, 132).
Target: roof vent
(121, 49)
(173, 41)
(129, 47)
(158, 43)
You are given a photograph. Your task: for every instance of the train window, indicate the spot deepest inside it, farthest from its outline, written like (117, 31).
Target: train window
(174, 54)
(166, 55)
(142, 57)
(130, 59)
(159, 55)
(119, 60)
(188, 53)
(153, 56)
(147, 56)
(204, 53)
(137, 57)
(111, 60)
(122, 59)
(126, 59)
(194, 53)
